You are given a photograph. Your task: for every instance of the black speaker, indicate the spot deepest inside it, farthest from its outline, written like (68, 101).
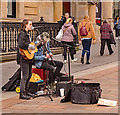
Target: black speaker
(63, 84)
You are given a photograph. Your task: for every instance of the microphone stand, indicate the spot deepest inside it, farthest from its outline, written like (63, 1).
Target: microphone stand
(68, 55)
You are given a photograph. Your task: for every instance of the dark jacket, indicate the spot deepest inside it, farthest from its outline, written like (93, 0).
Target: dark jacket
(23, 43)
(105, 31)
(23, 40)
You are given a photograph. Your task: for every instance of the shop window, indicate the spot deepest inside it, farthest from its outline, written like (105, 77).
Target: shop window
(11, 9)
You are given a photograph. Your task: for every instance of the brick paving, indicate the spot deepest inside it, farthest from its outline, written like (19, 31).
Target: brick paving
(108, 79)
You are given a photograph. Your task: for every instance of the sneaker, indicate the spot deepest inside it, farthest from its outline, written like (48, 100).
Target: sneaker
(75, 59)
(111, 53)
(87, 62)
(65, 61)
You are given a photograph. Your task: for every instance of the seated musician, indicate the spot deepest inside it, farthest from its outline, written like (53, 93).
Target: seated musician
(42, 58)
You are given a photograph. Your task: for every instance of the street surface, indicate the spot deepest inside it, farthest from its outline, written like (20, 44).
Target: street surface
(103, 70)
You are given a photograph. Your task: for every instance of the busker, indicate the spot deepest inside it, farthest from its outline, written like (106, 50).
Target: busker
(42, 58)
(24, 44)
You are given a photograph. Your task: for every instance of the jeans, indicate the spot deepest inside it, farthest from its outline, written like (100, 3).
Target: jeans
(117, 32)
(86, 43)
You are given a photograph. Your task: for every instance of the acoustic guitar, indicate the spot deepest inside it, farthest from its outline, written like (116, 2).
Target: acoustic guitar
(29, 53)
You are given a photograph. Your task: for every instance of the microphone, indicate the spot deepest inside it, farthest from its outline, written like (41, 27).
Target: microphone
(36, 27)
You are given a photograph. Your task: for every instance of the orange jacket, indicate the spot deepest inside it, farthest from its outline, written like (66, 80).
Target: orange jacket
(89, 27)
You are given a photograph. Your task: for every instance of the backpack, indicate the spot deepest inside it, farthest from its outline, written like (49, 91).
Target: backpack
(83, 30)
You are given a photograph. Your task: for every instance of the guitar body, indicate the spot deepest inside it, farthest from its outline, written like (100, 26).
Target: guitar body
(29, 54)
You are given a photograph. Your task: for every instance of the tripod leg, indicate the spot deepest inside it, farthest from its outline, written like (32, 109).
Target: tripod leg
(48, 93)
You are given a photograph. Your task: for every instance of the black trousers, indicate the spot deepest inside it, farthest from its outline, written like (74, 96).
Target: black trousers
(117, 32)
(103, 41)
(71, 50)
(53, 69)
(26, 69)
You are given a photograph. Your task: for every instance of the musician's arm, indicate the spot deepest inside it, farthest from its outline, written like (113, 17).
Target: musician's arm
(48, 47)
(39, 57)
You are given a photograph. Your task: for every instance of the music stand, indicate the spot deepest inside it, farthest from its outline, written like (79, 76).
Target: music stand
(68, 56)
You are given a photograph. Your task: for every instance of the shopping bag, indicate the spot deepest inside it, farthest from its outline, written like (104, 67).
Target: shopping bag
(60, 34)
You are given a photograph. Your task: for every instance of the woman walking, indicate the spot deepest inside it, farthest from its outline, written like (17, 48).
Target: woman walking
(68, 32)
(117, 27)
(86, 34)
(105, 31)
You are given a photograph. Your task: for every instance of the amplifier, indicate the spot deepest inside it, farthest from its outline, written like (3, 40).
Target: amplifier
(63, 84)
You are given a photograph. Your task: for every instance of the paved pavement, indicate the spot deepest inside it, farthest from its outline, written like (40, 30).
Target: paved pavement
(103, 69)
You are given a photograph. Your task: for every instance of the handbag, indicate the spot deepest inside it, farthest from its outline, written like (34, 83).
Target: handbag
(60, 34)
(112, 39)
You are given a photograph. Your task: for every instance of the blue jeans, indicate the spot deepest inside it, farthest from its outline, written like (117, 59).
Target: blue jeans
(86, 43)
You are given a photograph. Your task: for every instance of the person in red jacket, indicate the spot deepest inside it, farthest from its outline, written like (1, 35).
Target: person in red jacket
(105, 31)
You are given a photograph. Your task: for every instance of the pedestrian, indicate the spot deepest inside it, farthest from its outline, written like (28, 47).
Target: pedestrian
(86, 39)
(66, 16)
(67, 38)
(24, 43)
(105, 31)
(117, 27)
(43, 56)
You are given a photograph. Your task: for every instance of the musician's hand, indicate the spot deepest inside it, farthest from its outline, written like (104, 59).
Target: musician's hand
(48, 56)
(32, 47)
(80, 42)
(94, 41)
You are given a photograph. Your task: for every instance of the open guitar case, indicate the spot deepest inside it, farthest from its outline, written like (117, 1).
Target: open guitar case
(13, 82)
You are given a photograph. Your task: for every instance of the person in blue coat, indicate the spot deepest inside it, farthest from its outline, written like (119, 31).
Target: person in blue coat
(42, 60)
(117, 26)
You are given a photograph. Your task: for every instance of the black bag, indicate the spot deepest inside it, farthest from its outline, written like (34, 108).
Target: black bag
(85, 93)
(13, 82)
(112, 39)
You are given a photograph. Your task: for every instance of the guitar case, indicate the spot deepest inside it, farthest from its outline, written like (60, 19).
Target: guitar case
(13, 82)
